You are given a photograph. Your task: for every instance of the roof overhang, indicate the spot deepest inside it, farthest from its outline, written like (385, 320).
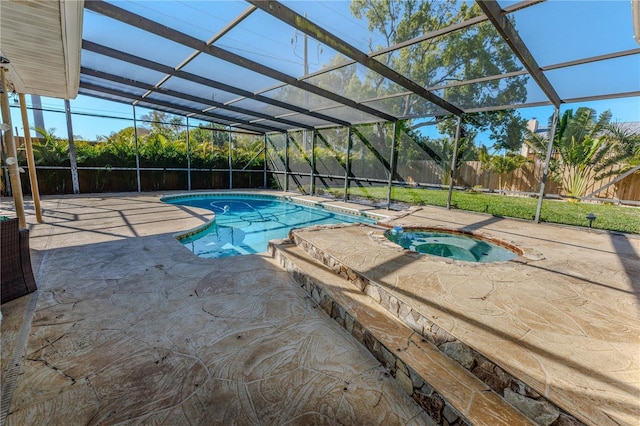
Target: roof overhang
(42, 40)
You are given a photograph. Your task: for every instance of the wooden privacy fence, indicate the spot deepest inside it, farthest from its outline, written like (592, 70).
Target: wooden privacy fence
(526, 179)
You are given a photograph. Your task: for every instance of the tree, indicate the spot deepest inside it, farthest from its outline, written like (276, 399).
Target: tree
(164, 124)
(472, 52)
(502, 165)
(587, 147)
(446, 62)
(210, 135)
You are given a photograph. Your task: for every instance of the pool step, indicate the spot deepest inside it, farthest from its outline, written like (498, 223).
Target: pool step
(449, 393)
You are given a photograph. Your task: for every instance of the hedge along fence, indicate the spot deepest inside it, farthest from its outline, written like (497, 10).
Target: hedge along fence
(110, 167)
(164, 165)
(524, 180)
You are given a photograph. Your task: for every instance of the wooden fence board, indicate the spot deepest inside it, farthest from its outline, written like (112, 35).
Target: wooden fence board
(526, 179)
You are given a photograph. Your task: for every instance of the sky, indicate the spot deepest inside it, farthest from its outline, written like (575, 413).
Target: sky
(564, 37)
(623, 110)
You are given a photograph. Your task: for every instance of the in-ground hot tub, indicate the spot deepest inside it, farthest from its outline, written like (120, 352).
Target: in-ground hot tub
(452, 244)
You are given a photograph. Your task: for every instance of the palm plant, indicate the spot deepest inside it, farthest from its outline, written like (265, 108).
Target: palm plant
(247, 154)
(157, 150)
(627, 142)
(120, 149)
(51, 151)
(586, 150)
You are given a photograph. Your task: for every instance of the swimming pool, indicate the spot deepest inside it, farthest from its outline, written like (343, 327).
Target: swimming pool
(450, 244)
(244, 224)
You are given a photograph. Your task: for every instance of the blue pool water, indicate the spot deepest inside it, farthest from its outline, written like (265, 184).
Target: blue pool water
(244, 225)
(454, 246)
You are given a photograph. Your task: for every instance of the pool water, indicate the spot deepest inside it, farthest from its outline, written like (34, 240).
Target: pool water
(451, 245)
(244, 225)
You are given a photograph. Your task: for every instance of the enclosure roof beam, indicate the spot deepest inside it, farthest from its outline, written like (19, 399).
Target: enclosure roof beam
(306, 26)
(617, 95)
(591, 59)
(143, 23)
(125, 81)
(145, 63)
(503, 25)
(183, 109)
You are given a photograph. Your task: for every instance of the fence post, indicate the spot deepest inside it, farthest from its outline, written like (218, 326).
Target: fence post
(545, 173)
(453, 162)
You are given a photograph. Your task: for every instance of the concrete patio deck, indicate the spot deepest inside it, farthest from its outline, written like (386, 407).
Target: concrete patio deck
(129, 327)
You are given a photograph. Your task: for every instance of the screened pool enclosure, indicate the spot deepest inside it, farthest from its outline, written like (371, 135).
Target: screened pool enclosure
(324, 97)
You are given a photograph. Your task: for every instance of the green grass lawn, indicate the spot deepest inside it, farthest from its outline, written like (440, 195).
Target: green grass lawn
(608, 217)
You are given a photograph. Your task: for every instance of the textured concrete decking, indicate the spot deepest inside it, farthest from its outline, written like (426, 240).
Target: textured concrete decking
(130, 328)
(566, 324)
